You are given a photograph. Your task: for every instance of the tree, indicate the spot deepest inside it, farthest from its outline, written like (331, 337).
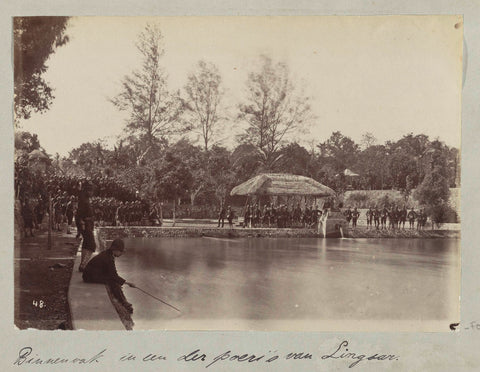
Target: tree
(30, 178)
(204, 94)
(245, 162)
(340, 150)
(372, 167)
(172, 178)
(402, 163)
(154, 112)
(433, 192)
(295, 159)
(274, 108)
(34, 40)
(26, 142)
(222, 176)
(368, 139)
(194, 160)
(90, 157)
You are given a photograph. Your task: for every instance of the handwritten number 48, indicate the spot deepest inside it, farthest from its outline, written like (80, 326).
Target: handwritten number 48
(39, 304)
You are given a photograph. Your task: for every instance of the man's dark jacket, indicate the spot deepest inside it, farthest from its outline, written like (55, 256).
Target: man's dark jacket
(101, 269)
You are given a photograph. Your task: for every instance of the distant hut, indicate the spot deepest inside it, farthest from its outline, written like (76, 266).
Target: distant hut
(348, 173)
(350, 178)
(284, 185)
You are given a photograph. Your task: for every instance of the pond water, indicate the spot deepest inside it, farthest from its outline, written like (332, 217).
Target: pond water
(286, 283)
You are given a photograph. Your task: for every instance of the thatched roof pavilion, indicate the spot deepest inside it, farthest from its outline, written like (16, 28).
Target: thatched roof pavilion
(282, 184)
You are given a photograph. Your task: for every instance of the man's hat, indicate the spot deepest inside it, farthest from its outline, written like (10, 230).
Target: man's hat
(118, 245)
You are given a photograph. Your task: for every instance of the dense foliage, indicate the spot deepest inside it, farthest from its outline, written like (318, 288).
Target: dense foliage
(208, 176)
(34, 40)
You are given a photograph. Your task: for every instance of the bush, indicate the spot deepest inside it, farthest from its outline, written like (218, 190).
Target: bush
(377, 198)
(357, 199)
(442, 213)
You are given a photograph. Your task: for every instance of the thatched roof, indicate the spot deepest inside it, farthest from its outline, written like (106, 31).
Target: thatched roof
(281, 184)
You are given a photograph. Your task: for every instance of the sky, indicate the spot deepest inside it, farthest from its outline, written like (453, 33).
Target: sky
(389, 75)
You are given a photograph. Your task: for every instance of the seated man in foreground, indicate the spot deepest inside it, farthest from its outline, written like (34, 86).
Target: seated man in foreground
(101, 269)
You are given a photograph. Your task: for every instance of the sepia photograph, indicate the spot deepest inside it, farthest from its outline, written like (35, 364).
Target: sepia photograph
(267, 173)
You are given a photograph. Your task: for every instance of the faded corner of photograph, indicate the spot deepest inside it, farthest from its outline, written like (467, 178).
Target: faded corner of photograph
(237, 173)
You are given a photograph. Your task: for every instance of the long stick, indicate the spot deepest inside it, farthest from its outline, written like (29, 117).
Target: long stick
(158, 299)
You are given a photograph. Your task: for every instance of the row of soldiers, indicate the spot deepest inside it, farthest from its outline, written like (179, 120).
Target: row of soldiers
(396, 217)
(112, 212)
(109, 211)
(106, 211)
(34, 211)
(280, 216)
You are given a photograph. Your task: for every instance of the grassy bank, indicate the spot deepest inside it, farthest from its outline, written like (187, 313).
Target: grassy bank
(42, 278)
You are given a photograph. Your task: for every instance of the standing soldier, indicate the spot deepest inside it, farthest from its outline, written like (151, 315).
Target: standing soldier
(273, 214)
(420, 219)
(376, 218)
(78, 224)
(85, 214)
(64, 201)
(98, 211)
(403, 217)
(129, 213)
(397, 213)
(246, 216)
(256, 215)
(138, 212)
(28, 217)
(58, 213)
(287, 216)
(230, 216)
(424, 219)
(221, 215)
(411, 218)
(383, 217)
(391, 218)
(282, 216)
(306, 217)
(355, 215)
(265, 215)
(348, 215)
(297, 214)
(369, 215)
(316, 215)
(153, 215)
(38, 211)
(118, 214)
(69, 212)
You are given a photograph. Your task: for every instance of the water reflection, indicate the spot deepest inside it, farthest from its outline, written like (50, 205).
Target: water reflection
(258, 278)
